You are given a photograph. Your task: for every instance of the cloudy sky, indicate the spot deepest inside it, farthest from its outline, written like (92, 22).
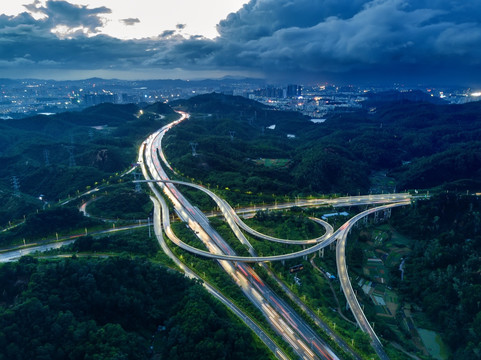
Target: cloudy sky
(405, 41)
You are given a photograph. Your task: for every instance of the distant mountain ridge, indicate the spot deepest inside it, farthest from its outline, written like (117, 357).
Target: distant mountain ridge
(218, 103)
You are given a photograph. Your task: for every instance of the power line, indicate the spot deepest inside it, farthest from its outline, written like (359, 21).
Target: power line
(137, 176)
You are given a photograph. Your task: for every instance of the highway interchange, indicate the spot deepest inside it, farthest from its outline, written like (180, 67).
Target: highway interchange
(285, 321)
(303, 340)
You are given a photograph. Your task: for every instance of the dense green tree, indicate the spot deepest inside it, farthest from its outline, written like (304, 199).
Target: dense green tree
(442, 272)
(111, 309)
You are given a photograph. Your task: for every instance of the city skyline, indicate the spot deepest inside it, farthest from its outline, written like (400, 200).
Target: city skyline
(396, 41)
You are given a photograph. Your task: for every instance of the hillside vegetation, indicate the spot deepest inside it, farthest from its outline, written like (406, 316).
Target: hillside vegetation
(419, 144)
(62, 154)
(113, 308)
(442, 272)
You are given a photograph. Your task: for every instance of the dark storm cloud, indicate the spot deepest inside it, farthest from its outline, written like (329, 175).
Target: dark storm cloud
(26, 41)
(261, 18)
(348, 36)
(65, 13)
(311, 39)
(130, 21)
(196, 52)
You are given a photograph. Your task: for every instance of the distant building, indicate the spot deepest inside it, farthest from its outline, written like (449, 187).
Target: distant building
(128, 99)
(95, 99)
(270, 92)
(293, 91)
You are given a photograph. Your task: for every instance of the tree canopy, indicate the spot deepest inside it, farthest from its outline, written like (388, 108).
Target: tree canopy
(114, 308)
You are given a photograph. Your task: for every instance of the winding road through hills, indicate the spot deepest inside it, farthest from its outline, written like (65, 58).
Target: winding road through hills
(284, 320)
(289, 325)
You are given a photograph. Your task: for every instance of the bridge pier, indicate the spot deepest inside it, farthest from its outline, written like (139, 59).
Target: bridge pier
(387, 214)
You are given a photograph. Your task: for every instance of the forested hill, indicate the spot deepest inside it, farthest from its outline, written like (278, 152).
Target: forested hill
(159, 108)
(113, 308)
(442, 273)
(219, 104)
(441, 142)
(393, 96)
(419, 144)
(57, 155)
(244, 145)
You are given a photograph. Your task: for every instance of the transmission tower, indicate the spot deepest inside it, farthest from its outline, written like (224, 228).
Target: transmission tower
(232, 134)
(46, 155)
(16, 186)
(137, 176)
(71, 159)
(253, 119)
(193, 145)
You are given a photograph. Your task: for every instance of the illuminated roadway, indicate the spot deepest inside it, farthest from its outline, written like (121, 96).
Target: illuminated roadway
(346, 283)
(161, 208)
(345, 201)
(285, 320)
(303, 340)
(160, 204)
(340, 235)
(231, 216)
(321, 241)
